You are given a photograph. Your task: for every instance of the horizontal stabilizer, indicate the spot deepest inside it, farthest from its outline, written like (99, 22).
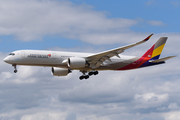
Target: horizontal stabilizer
(162, 59)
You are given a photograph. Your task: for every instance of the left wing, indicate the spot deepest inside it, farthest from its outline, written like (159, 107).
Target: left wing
(97, 59)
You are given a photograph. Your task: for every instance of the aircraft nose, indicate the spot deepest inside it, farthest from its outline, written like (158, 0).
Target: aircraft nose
(7, 59)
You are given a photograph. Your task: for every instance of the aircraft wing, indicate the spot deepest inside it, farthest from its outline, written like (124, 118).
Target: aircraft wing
(97, 59)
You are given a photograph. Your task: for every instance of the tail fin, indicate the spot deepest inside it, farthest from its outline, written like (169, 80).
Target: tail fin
(155, 51)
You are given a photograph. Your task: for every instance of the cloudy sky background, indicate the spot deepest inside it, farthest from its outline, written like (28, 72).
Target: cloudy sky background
(89, 26)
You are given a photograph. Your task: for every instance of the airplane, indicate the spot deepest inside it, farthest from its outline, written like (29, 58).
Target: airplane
(62, 63)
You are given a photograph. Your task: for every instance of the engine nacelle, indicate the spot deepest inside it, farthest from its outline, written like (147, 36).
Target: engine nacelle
(76, 62)
(60, 71)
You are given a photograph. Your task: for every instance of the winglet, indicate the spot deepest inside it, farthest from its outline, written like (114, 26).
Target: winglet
(146, 39)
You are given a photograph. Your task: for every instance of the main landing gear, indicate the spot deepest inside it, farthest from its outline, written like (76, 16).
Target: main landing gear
(84, 76)
(15, 68)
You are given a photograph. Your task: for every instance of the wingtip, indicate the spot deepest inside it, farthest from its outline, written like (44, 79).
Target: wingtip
(146, 39)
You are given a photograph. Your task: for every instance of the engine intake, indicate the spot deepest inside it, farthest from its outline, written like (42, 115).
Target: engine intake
(60, 71)
(76, 62)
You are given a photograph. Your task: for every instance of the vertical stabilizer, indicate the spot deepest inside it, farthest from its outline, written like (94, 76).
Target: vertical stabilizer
(159, 45)
(155, 51)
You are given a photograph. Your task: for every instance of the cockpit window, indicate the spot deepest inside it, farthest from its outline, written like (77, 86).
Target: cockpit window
(11, 54)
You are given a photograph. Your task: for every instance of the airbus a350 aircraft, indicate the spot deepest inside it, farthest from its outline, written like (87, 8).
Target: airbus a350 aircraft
(63, 63)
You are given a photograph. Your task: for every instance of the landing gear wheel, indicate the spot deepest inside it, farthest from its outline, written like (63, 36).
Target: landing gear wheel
(81, 77)
(15, 71)
(96, 72)
(86, 77)
(90, 73)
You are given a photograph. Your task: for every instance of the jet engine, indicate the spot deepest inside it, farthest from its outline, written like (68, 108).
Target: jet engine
(75, 62)
(60, 71)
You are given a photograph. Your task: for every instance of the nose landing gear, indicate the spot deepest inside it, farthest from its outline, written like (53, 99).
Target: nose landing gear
(15, 68)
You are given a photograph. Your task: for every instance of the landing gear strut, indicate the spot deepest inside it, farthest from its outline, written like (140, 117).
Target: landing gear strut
(15, 68)
(84, 76)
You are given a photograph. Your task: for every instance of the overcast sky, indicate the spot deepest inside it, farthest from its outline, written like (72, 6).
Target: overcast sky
(89, 26)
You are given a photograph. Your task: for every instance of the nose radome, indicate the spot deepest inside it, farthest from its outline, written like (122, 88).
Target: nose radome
(6, 59)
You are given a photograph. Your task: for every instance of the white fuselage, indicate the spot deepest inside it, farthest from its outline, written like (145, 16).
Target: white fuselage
(58, 59)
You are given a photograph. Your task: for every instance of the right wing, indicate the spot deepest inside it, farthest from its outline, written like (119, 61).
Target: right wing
(97, 59)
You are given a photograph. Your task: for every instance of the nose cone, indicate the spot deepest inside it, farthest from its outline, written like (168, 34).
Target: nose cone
(7, 59)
